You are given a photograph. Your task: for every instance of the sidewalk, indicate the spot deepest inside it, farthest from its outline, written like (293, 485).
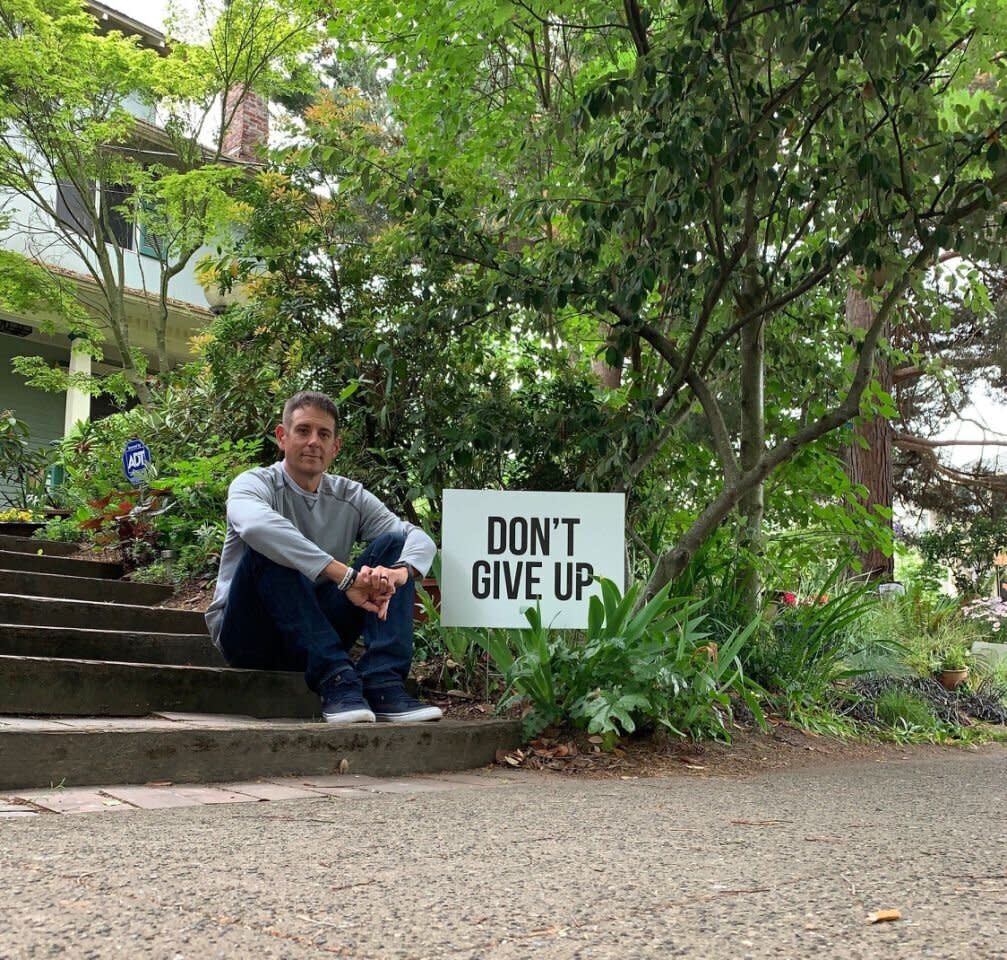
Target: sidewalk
(500, 865)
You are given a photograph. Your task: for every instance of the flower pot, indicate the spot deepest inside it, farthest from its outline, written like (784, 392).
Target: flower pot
(952, 679)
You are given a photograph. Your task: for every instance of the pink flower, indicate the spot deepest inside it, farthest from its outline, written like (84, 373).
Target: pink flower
(790, 599)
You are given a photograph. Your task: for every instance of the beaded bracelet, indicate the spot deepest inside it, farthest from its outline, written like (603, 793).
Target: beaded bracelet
(349, 578)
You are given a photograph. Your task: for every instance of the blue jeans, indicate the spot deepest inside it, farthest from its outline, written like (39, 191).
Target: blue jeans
(277, 619)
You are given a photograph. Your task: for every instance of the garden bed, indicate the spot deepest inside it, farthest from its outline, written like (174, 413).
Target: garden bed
(750, 753)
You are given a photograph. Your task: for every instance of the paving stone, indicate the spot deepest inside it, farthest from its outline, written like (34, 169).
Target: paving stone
(212, 794)
(472, 779)
(342, 787)
(74, 800)
(375, 784)
(214, 719)
(410, 786)
(30, 723)
(117, 723)
(334, 780)
(272, 790)
(150, 798)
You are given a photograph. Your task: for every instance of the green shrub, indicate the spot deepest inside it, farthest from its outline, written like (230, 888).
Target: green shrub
(61, 528)
(922, 627)
(895, 707)
(22, 468)
(809, 644)
(967, 549)
(630, 669)
(458, 648)
(182, 509)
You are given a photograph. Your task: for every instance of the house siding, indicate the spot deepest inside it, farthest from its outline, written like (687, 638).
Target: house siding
(43, 412)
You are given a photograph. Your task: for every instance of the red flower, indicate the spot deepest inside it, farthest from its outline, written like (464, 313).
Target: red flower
(790, 599)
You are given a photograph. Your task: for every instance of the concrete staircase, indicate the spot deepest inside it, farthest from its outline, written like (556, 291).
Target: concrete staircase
(99, 685)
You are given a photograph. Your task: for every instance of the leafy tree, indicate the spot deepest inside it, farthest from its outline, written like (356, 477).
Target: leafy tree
(431, 397)
(708, 181)
(64, 89)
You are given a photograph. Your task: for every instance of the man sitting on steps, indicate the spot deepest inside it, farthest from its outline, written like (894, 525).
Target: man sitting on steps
(286, 598)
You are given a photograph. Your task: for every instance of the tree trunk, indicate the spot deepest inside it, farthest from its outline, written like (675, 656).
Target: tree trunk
(608, 377)
(869, 459)
(753, 444)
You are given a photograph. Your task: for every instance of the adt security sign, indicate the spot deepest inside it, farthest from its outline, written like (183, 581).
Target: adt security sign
(135, 460)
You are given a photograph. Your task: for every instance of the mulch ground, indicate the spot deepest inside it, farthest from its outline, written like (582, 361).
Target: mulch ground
(750, 752)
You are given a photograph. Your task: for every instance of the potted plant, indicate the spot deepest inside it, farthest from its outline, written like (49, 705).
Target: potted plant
(954, 669)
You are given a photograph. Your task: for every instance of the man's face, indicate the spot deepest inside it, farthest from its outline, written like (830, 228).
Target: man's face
(309, 444)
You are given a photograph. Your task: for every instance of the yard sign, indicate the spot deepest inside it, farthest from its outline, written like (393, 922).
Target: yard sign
(502, 552)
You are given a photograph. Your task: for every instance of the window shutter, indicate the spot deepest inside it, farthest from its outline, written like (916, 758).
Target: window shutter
(71, 210)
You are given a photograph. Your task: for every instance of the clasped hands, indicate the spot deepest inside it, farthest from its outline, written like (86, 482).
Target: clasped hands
(374, 588)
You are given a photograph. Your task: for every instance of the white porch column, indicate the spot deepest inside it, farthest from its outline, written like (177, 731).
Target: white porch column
(78, 403)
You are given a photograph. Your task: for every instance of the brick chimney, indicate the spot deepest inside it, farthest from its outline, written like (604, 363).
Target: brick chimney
(248, 129)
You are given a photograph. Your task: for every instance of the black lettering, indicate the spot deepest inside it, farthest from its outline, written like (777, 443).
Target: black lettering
(512, 578)
(585, 574)
(518, 536)
(563, 587)
(540, 536)
(480, 579)
(570, 522)
(496, 535)
(532, 580)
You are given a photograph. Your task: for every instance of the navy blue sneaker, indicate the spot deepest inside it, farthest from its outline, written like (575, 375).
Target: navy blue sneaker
(344, 703)
(394, 705)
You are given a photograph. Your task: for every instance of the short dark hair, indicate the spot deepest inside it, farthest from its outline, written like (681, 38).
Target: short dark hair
(309, 398)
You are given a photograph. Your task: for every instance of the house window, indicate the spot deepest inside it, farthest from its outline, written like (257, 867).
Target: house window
(116, 204)
(71, 210)
(151, 243)
(115, 199)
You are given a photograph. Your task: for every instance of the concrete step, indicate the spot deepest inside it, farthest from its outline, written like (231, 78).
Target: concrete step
(53, 612)
(81, 588)
(24, 640)
(55, 548)
(45, 753)
(44, 686)
(22, 562)
(17, 528)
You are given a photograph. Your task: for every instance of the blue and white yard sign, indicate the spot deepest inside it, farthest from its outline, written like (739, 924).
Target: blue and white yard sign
(135, 460)
(502, 552)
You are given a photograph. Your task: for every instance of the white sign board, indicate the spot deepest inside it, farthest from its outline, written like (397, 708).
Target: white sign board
(502, 552)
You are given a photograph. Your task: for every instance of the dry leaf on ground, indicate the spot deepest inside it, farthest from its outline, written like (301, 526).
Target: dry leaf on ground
(884, 916)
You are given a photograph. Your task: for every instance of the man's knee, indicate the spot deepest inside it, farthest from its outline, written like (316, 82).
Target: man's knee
(256, 568)
(385, 549)
(388, 540)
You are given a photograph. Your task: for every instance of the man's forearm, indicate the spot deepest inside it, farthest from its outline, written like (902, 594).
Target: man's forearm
(335, 570)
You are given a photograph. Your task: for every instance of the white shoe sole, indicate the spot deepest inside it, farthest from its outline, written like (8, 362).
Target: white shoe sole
(412, 716)
(350, 716)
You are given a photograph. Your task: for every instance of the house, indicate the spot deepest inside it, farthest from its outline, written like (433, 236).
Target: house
(29, 228)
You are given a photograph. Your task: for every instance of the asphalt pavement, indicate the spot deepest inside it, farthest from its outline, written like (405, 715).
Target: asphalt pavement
(783, 864)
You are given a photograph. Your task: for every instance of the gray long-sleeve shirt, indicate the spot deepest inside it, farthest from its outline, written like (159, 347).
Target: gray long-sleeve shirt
(269, 512)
